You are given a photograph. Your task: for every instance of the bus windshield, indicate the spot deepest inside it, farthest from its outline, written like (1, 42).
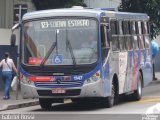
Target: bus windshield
(60, 42)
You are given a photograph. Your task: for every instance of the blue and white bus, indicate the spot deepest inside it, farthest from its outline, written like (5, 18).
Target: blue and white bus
(56, 63)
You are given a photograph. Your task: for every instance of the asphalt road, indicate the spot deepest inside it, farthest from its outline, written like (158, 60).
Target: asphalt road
(135, 110)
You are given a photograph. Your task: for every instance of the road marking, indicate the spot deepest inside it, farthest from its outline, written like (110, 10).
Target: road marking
(157, 99)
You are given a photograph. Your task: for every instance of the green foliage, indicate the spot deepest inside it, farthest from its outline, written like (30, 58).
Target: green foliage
(71, 3)
(151, 7)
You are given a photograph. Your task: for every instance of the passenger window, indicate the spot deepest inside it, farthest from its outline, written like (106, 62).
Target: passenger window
(115, 43)
(141, 42)
(113, 25)
(122, 43)
(114, 31)
(133, 28)
(126, 27)
(147, 39)
(134, 41)
(148, 27)
(146, 34)
(145, 27)
(129, 43)
(127, 36)
(139, 27)
(120, 26)
(140, 35)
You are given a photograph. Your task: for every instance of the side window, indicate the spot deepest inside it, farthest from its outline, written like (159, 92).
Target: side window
(129, 43)
(139, 27)
(104, 41)
(134, 35)
(127, 35)
(148, 27)
(145, 28)
(113, 25)
(140, 35)
(126, 27)
(145, 31)
(133, 28)
(120, 26)
(122, 42)
(114, 31)
(147, 39)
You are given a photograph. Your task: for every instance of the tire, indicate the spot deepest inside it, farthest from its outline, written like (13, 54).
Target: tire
(110, 101)
(137, 95)
(45, 104)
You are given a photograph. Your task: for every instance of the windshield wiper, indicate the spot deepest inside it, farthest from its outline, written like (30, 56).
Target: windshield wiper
(70, 48)
(48, 53)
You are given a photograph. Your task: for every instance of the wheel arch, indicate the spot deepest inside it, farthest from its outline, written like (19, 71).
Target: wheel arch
(140, 70)
(115, 82)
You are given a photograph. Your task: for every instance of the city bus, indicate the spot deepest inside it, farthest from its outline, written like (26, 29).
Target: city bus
(57, 63)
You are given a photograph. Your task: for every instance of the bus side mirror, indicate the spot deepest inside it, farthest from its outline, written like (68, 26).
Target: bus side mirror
(17, 25)
(13, 40)
(13, 36)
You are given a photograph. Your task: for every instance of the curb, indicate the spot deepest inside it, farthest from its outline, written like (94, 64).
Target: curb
(19, 105)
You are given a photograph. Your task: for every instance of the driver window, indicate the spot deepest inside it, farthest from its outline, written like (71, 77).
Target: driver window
(104, 42)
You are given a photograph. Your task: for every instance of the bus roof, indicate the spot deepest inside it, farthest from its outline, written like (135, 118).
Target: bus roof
(61, 12)
(85, 12)
(127, 15)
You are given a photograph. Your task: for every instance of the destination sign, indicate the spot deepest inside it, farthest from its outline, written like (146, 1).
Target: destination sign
(65, 23)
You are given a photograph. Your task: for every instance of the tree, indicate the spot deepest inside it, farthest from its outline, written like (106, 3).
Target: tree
(71, 3)
(151, 7)
(53, 4)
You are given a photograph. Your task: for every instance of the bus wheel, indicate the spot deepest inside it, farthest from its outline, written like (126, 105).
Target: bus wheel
(45, 103)
(109, 101)
(138, 92)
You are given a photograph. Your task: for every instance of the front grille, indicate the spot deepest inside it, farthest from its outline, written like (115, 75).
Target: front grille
(73, 92)
(53, 84)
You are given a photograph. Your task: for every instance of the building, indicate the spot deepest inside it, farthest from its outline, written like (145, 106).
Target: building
(6, 22)
(6, 11)
(6, 17)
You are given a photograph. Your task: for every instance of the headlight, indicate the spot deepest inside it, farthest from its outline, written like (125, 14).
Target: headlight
(94, 78)
(25, 80)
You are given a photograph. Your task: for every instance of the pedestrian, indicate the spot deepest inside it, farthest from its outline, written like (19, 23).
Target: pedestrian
(8, 67)
(155, 50)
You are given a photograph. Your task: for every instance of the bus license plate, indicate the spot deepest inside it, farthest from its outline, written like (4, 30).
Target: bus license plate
(58, 90)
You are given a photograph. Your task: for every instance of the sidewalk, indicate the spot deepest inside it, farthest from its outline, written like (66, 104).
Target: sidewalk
(14, 103)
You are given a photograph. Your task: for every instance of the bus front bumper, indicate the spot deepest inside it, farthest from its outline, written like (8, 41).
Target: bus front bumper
(87, 90)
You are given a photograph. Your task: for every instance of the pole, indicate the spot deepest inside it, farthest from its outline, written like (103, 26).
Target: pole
(18, 83)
